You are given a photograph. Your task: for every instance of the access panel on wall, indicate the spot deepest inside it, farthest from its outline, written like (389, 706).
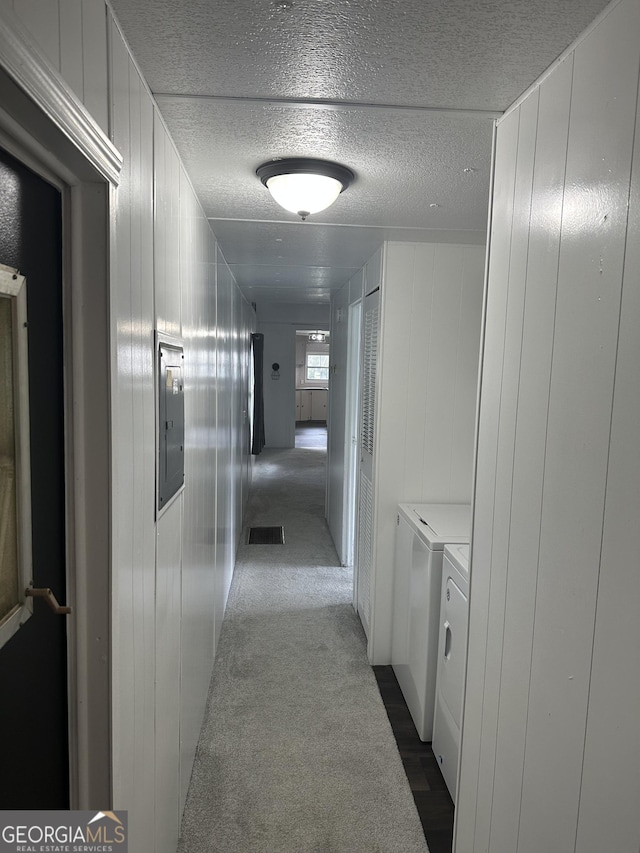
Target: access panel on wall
(170, 421)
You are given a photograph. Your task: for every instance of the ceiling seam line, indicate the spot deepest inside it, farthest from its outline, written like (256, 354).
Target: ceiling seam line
(309, 224)
(320, 103)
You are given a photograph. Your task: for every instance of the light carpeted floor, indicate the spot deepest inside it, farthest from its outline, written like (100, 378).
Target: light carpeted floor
(296, 753)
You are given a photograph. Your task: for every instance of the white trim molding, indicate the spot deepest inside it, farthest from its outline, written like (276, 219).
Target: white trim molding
(13, 286)
(26, 65)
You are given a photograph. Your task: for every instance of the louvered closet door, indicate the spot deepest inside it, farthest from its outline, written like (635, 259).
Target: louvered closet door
(367, 425)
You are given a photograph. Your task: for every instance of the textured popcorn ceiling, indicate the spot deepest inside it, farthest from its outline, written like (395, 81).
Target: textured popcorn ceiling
(403, 162)
(362, 82)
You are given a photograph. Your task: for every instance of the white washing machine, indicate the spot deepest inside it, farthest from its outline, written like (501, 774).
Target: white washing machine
(423, 531)
(452, 656)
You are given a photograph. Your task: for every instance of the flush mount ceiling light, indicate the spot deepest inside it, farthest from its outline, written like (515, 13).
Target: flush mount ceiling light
(303, 185)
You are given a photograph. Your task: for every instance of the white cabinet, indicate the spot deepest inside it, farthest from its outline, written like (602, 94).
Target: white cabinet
(303, 405)
(311, 404)
(318, 405)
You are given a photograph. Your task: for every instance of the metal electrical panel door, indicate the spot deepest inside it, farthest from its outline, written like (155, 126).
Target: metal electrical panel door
(170, 422)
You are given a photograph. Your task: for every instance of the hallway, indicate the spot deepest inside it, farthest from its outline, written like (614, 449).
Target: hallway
(296, 752)
(509, 131)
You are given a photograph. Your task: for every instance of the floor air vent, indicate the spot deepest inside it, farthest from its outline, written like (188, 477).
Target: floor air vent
(266, 536)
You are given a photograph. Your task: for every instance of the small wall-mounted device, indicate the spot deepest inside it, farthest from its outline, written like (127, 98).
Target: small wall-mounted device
(170, 421)
(275, 370)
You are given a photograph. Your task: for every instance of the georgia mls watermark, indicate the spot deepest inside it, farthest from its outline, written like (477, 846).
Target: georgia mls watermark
(63, 832)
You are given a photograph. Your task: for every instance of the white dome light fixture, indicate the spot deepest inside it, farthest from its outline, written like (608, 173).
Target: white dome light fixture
(303, 185)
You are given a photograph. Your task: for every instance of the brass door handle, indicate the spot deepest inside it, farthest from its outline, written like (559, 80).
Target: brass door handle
(49, 597)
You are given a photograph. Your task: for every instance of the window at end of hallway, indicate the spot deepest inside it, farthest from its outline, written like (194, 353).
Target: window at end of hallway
(317, 367)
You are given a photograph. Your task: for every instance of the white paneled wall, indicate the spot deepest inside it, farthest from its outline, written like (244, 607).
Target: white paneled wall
(244, 330)
(550, 750)
(72, 35)
(167, 235)
(433, 303)
(198, 555)
(170, 577)
(133, 576)
(197, 301)
(226, 508)
(238, 417)
(167, 680)
(426, 396)
(611, 753)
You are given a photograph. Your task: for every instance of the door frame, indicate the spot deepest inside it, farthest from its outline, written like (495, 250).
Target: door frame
(44, 126)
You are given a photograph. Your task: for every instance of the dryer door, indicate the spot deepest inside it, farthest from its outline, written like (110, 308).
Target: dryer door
(453, 653)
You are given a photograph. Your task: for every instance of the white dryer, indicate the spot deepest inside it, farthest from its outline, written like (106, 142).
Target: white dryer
(423, 531)
(452, 656)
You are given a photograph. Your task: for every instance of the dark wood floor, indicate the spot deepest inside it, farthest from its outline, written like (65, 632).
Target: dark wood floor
(311, 435)
(430, 793)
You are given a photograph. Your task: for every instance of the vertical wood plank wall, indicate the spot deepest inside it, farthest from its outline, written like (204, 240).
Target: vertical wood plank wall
(427, 387)
(171, 578)
(62, 29)
(550, 754)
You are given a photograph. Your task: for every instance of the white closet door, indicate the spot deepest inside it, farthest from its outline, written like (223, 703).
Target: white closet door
(367, 440)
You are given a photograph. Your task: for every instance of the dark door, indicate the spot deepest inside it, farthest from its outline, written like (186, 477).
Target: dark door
(33, 663)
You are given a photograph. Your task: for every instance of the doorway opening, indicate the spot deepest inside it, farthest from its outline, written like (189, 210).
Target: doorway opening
(311, 387)
(77, 167)
(36, 655)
